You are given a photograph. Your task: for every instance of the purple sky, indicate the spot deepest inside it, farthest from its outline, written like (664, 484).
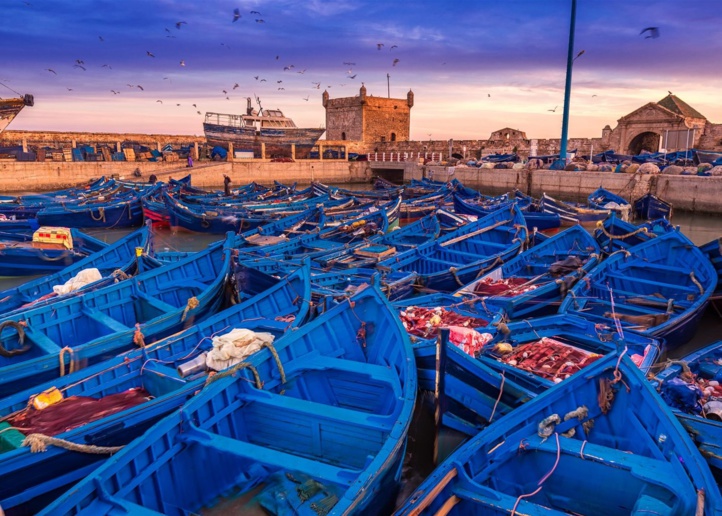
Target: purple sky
(474, 66)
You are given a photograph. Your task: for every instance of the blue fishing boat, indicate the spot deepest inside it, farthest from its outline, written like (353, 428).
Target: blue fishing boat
(47, 250)
(535, 282)
(603, 199)
(614, 233)
(319, 427)
(46, 342)
(651, 207)
(108, 405)
(557, 453)
(691, 388)
(658, 288)
(458, 257)
(122, 255)
(534, 217)
(713, 251)
(18, 225)
(571, 213)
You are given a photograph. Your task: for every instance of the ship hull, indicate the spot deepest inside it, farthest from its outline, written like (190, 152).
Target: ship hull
(9, 108)
(277, 142)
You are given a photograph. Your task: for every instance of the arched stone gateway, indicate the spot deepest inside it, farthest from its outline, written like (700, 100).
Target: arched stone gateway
(647, 141)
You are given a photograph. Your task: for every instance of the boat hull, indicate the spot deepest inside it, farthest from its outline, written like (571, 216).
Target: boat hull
(276, 141)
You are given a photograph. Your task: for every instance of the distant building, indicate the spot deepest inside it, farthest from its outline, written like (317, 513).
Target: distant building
(368, 119)
(670, 124)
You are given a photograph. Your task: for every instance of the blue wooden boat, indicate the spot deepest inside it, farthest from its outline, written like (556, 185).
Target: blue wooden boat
(571, 213)
(18, 225)
(48, 341)
(24, 254)
(658, 288)
(459, 256)
(157, 379)
(535, 282)
(685, 385)
(318, 428)
(562, 452)
(713, 251)
(534, 217)
(614, 233)
(204, 219)
(119, 256)
(651, 207)
(382, 246)
(603, 199)
(120, 211)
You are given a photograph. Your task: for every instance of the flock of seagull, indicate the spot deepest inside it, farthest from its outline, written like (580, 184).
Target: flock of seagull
(80, 64)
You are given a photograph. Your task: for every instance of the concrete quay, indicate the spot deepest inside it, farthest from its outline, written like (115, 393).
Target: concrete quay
(689, 193)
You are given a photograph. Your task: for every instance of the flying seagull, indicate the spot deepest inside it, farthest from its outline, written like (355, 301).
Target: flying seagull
(306, 98)
(379, 46)
(159, 101)
(52, 71)
(79, 66)
(149, 54)
(395, 61)
(260, 21)
(255, 12)
(235, 86)
(140, 87)
(236, 14)
(653, 32)
(178, 24)
(101, 38)
(347, 63)
(553, 110)
(182, 63)
(352, 76)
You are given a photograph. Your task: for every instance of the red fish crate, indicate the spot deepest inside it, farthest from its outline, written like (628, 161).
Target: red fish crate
(549, 359)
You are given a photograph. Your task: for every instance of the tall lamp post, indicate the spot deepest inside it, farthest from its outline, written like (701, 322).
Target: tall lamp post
(568, 85)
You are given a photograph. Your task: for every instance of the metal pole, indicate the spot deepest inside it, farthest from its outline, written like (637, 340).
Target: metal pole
(388, 85)
(568, 85)
(442, 342)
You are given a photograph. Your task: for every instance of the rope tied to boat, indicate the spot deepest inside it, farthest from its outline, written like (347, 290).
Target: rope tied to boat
(546, 426)
(101, 214)
(696, 282)
(501, 392)
(580, 413)
(71, 361)
(233, 370)
(361, 333)
(138, 337)
(600, 225)
(543, 479)
(39, 443)
(192, 303)
(453, 271)
(277, 358)
(120, 275)
(482, 271)
(20, 329)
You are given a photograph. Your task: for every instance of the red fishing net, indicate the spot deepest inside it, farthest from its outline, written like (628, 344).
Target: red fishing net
(75, 411)
(549, 358)
(425, 322)
(506, 287)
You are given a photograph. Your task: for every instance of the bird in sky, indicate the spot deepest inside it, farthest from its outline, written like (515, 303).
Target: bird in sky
(346, 63)
(236, 86)
(393, 47)
(80, 61)
(653, 32)
(107, 66)
(352, 76)
(159, 101)
(670, 92)
(277, 58)
(236, 14)
(395, 62)
(114, 92)
(130, 85)
(255, 77)
(553, 110)
(317, 85)
(263, 80)
(194, 105)
(79, 66)
(281, 88)
(255, 12)
(149, 53)
(182, 62)
(306, 98)
(379, 46)
(69, 89)
(301, 71)
(279, 82)
(52, 71)
(140, 87)
(177, 104)
(101, 38)
(594, 95)
(198, 112)
(178, 24)
(224, 91)
(488, 94)
(260, 21)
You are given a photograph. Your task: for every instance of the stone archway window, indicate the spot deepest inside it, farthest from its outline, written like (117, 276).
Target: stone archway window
(393, 137)
(647, 141)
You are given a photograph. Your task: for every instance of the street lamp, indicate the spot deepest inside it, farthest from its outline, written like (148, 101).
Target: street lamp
(568, 85)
